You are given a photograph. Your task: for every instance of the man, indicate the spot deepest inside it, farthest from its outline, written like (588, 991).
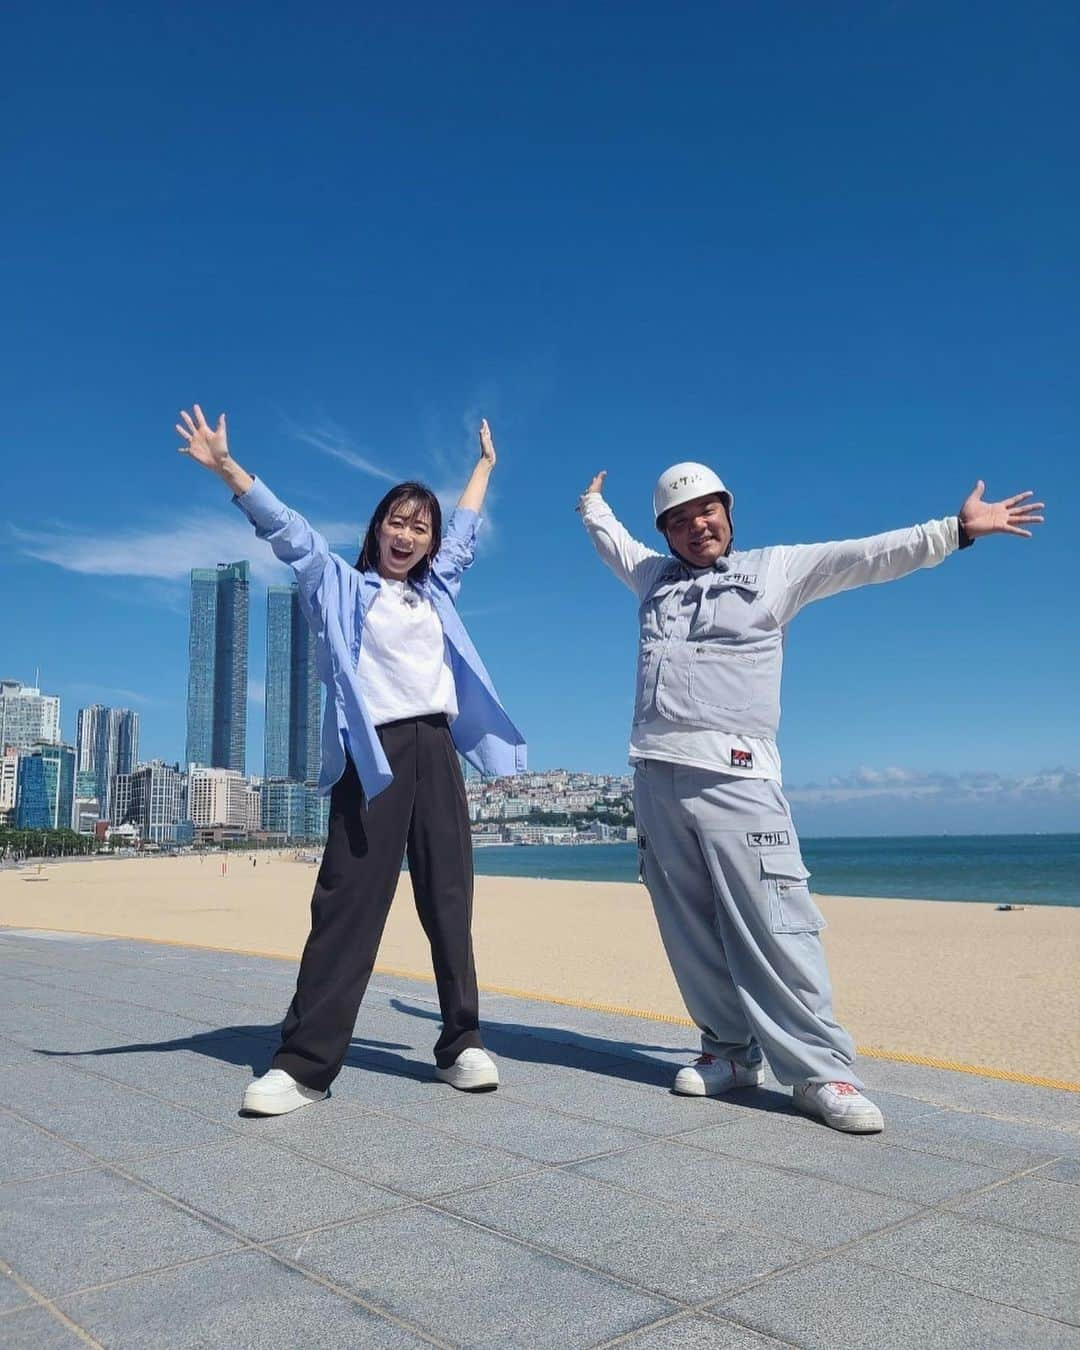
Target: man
(719, 852)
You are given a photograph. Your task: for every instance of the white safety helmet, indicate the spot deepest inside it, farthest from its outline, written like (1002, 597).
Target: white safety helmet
(682, 483)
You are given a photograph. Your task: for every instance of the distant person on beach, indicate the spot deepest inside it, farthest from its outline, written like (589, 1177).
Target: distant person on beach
(719, 852)
(407, 691)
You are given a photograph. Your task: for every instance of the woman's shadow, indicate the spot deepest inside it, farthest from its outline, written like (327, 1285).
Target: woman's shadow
(251, 1046)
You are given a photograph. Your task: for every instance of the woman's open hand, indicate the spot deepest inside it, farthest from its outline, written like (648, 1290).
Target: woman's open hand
(487, 445)
(207, 445)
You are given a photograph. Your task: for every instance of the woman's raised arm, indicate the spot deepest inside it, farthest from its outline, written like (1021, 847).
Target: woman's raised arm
(472, 499)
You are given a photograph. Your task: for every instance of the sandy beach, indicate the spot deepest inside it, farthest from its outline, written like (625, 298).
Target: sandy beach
(960, 983)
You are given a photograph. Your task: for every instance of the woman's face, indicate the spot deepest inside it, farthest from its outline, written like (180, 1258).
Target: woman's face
(404, 540)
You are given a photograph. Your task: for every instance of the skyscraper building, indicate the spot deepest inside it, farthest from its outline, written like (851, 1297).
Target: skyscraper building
(27, 716)
(218, 666)
(108, 745)
(156, 800)
(293, 691)
(45, 793)
(294, 810)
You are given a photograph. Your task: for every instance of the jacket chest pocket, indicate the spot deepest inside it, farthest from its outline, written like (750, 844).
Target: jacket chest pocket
(725, 611)
(791, 906)
(721, 677)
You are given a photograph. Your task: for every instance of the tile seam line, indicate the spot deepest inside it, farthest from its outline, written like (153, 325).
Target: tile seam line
(242, 1243)
(867, 1052)
(267, 1245)
(236, 1133)
(626, 1337)
(850, 1249)
(934, 1206)
(40, 1301)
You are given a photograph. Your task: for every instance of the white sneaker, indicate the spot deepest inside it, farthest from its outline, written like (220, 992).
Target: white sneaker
(710, 1077)
(277, 1092)
(473, 1071)
(840, 1105)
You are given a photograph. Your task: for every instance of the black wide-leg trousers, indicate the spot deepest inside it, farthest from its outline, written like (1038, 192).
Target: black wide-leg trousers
(423, 813)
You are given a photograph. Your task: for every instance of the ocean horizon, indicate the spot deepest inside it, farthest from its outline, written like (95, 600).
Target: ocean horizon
(1025, 869)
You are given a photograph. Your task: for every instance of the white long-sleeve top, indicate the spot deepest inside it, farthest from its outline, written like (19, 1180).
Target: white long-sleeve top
(710, 654)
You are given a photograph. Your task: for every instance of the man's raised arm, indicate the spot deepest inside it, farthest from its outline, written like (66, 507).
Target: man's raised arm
(636, 565)
(813, 571)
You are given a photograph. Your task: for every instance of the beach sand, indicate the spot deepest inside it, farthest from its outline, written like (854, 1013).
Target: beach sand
(961, 983)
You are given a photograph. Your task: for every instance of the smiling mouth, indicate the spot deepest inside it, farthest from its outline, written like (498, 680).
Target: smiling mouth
(401, 554)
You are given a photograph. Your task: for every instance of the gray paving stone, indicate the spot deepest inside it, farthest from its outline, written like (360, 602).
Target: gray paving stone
(970, 1092)
(15, 1056)
(11, 1296)
(635, 1106)
(693, 1257)
(63, 1233)
(1039, 1274)
(472, 1287)
(38, 1328)
(26, 1151)
(209, 1078)
(985, 1139)
(1068, 1169)
(493, 1122)
(260, 1190)
(781, 1203)
(45, 1029)
(1031, 1203)
(867, 1161)
(386, 1151)
(698, 1333)
(244, 1300)
(385, 1082)
(839, 1302)
(108, 1119)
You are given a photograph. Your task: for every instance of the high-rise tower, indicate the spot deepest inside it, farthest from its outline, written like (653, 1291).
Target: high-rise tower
(293, 701)
(218, 666)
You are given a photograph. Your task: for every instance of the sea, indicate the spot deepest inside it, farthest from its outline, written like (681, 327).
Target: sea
(1024, 869)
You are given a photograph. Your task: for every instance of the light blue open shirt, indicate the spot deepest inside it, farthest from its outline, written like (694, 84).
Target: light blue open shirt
(335, 598)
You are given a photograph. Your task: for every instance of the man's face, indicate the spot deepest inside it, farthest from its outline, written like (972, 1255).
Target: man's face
(699, 531)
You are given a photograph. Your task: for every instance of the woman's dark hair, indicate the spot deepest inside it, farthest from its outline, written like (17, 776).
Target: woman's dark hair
(414, 497)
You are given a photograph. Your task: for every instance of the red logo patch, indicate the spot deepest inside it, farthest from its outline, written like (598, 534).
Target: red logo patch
(742, 759)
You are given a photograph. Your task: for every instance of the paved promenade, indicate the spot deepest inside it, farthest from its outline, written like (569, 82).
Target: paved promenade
(580, 1205)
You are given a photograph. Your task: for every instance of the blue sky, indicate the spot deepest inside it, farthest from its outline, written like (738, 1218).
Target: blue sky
(828, 249)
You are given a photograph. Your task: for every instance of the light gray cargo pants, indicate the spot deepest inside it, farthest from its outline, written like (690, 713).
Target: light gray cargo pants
(721, 860)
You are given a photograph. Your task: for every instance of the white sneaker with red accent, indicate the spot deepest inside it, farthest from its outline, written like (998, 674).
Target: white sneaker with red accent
(840, 1105)
(710, 1077)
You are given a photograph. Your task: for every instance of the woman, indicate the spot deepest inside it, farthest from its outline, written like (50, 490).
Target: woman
(406, 687)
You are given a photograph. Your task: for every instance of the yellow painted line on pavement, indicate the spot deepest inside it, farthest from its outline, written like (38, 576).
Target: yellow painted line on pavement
(867, 1051)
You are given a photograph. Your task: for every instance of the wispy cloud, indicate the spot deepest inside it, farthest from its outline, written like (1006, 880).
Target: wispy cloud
(911, 801)
(115, 698)
(971, 786)
(331, 440)
(166, 553)
(257, 692)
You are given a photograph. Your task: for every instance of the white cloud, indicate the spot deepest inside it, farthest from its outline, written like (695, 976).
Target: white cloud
(115, 698)
(329, 439)
(905, 801)
(257, 692)
(199, 539)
